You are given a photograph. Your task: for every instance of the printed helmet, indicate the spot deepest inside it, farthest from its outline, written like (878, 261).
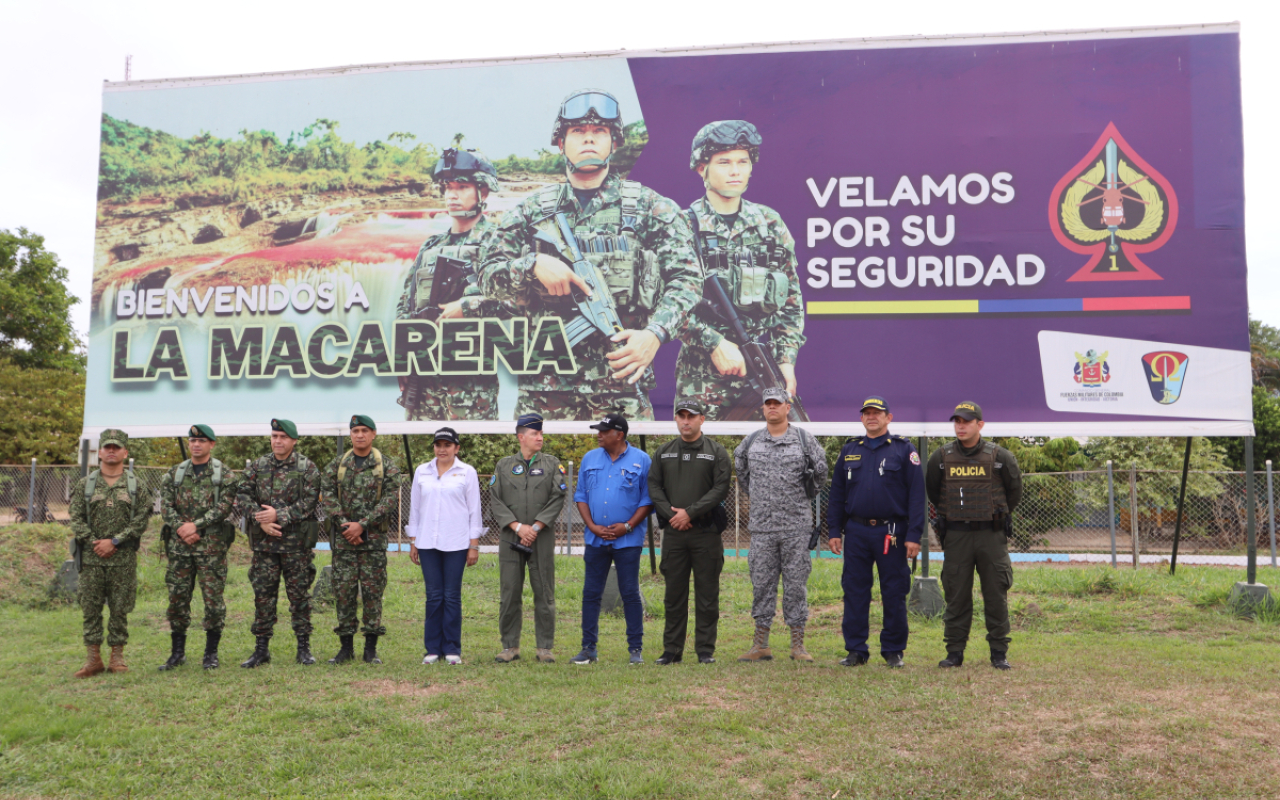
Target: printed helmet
(589, 106)
(725, 134)
(465, 166)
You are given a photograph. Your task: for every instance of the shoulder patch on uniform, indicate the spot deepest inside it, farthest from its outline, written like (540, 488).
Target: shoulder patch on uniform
(915, 458)
(563, 487)
(561, 468)
(493, 479)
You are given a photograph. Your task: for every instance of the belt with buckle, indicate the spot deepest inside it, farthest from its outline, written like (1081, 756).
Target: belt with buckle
(877, 522)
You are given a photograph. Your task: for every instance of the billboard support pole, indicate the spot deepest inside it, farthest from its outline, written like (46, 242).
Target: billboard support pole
(1133, 510)
(1271, 514)
(182, 448)
(926, 593)
(338, 439)
(408, 454)
(31, 495)
(84, 460)
(653, 557)
(1246, 598)
(1111, 509)
(1182, 497)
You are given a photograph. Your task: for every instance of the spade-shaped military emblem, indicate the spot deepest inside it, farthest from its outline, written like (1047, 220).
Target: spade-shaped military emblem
(1113, 206)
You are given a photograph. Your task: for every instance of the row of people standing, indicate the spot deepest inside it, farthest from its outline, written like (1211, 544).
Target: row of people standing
(875, 518)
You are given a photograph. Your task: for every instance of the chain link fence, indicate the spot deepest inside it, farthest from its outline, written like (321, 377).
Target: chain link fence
(1068, 512)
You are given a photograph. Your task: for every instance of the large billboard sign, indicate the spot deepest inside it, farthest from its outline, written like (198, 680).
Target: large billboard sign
(1050, 225)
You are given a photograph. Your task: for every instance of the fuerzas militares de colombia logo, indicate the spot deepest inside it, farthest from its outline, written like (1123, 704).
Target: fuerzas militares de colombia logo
(1166, 371)
(1113, 206)
(1092, 370)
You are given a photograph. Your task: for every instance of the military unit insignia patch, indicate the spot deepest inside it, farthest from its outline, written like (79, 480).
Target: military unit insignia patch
(518, 469)
(915, 458)
(561, 468)
(493, 479)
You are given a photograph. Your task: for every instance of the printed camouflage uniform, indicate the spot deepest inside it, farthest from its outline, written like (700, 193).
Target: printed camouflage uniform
(765, 293)
(781, 520)
(360, 569)
(642, 245)
(111, 581)
(452, 397)
(197, 501)
(292, 488)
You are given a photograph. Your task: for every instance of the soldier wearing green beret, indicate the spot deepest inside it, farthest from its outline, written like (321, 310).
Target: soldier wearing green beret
(526, 494)
(278, 495)
(195, 504)
(360, 491)
(108, 517)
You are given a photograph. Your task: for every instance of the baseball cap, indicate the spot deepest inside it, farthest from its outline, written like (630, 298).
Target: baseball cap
(113, 436)
(692, 406)
(612, 422)
(774, 393)
(968, 410)
(446, 435)
(875, 401)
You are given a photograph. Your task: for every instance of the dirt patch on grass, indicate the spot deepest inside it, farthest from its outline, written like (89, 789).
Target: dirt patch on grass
(390, 688)
(714, 697)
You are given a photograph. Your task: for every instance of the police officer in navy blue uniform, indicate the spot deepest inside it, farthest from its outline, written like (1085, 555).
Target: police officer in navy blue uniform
(877, 505)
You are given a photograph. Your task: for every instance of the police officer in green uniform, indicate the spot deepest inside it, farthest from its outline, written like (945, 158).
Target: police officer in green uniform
(974, 484)
(687, 483)
(195, 502)
(526, 494)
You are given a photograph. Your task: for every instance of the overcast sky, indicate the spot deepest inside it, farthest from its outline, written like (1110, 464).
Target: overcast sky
(56, 54)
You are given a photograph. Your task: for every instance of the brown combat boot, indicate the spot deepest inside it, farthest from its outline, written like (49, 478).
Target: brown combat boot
(116, 664)
(92, 662)
(759, 646)
(798, 653)
(544, 656)
(508, 655)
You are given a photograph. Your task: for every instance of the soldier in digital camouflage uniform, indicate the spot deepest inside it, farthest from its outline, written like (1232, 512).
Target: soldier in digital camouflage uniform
(108, 525)
(277, 496)
(749, 247)
(771, 463)
(639, 241)
(195, 503)
(466, 179)
(360, 492)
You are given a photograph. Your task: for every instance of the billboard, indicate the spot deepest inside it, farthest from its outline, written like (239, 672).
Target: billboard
(1049, 224)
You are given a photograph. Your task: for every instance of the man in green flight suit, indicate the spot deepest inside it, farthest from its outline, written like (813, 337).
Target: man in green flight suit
(749, 248)
(278, 495)
(526, 494)
(360, 492)
(466, 179)
(108, 517)
(195, 504)
(639, 243)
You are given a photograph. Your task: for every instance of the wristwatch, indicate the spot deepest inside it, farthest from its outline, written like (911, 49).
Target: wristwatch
(627, 525)
(537, 527)
(115, 542)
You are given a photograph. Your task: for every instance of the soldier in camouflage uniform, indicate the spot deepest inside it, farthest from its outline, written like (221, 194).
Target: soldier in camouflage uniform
(749, 248)
(466, 178)
(771, 464)
(195, 503)
(108, 517)
(360, 491)
(277, 496)
(642, 247)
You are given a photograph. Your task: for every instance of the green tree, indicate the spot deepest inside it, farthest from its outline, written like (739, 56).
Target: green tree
(1266, 437)
(35, 306)
(1264, 355)
(44, 411)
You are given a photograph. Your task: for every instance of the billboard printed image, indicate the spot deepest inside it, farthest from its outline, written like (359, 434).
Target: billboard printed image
(1039, 224)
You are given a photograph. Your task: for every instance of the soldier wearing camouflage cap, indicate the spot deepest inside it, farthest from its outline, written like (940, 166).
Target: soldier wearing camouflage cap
(195, 503)
(749, 248)
(466, 179)
(360, 491)
(109, 514)
(278, 495)
(638, 243)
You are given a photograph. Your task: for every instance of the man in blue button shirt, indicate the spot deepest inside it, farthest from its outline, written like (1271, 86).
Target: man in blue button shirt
(613, 499)
(877, 504)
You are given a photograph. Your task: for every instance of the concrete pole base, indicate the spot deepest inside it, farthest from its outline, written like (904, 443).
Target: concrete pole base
(1247, 598)
(926, 597)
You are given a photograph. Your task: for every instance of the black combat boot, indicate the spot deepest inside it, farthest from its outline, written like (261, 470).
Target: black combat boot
(346, 652)
(304, 656)
(261, 654)
(177, 651)
(953, 659)
(1000, 660)
(211, 640)
(371, 649)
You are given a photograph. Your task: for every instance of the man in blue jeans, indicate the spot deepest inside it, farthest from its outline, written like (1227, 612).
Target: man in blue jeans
(613, 499)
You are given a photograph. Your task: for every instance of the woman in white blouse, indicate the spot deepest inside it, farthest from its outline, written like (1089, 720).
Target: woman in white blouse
(445, 526)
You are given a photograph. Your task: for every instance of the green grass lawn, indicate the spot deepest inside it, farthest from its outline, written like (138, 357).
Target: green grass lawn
(1125, 684)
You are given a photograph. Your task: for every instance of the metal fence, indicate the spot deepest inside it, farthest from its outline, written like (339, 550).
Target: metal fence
(1060, 512)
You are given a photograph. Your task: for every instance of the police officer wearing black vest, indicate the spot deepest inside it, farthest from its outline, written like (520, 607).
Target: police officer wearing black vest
(974, 484)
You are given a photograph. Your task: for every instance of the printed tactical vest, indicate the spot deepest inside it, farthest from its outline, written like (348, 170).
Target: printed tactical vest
(608, 240)
(975, 492)
(752, 273)
(422, 279)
